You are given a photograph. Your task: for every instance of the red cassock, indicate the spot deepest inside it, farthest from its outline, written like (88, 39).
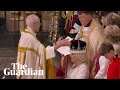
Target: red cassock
(114, 69)
(69, 26)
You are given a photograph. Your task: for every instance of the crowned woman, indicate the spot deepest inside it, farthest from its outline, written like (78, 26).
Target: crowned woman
(79, 68)
(69, 25)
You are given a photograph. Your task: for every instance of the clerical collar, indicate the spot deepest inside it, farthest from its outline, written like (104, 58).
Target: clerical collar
(29, 29)
(88, 24)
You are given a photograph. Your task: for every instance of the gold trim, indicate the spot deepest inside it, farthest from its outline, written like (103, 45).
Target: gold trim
(23, 30)
(69, 18)
(88, 32)
(63, 14)
(48, 67)
(45, 66)
(22, 49)
(20, 57)
(21, 61)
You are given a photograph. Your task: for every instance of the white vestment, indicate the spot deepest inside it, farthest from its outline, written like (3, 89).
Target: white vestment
(32, 53)
(93, 36)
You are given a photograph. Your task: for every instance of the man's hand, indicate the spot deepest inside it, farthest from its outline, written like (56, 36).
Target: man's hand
(62, 42)
(59, 40)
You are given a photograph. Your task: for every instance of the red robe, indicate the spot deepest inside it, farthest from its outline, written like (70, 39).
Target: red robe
(61, 72)
(114, 69)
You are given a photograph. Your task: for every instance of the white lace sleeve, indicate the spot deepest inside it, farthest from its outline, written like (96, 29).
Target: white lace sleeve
(83, 72)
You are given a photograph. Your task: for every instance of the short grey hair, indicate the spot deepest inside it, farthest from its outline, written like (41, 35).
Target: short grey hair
(32, 19)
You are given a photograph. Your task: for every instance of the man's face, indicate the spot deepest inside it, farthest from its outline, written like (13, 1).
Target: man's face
(37, 26)
(111, 54)
(73, 58)
(84, 18)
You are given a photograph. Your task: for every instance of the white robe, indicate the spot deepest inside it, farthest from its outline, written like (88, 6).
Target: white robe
(93, 36)
(80, 72)
(104, 64)
(33, 54)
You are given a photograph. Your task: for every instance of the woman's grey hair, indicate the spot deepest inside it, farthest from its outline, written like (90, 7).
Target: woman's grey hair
(113, 19)
(117, 48)
(112, 33)
(32, 19)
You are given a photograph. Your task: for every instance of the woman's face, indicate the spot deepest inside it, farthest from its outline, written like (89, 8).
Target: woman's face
(73, 58)
(103, 21)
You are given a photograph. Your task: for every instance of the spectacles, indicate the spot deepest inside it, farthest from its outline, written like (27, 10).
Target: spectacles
(36, 22)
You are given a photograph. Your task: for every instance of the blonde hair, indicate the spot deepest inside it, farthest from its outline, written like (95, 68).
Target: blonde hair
(112, 33)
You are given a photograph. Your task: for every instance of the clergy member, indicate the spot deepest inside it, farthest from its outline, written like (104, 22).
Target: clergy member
(91, 32)
(31, 51)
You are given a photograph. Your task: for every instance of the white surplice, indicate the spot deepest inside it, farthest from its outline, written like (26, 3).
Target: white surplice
(104, 64)
(32, 53)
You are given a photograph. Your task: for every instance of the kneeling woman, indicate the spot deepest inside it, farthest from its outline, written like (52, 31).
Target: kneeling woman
(79, 68)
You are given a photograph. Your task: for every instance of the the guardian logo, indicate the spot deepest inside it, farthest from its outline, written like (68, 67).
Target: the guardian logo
(19, 69)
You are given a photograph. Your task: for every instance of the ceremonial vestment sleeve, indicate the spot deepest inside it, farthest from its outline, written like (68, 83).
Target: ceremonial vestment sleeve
(50, 52)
